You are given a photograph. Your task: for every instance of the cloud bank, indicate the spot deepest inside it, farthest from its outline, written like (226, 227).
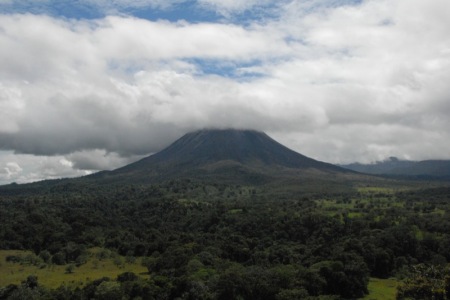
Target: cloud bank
(341, 83)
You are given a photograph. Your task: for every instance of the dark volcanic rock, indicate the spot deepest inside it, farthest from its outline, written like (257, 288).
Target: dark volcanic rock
(223, 154)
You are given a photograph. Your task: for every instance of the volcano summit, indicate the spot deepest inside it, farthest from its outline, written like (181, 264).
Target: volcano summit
(224, 154)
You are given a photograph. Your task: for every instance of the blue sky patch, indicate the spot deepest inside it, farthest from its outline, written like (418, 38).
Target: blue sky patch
(237, 70)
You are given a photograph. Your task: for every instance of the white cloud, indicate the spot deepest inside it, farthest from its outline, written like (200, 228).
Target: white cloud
(10, 170)
(10, 107)
(135, 40)
(45, 46)
(340, 83)
(87, 90)
(94, 160)
(377, 70)
(22, 168)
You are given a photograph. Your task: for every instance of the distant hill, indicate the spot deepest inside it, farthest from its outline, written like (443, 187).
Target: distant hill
(395, 167)
(231, 155)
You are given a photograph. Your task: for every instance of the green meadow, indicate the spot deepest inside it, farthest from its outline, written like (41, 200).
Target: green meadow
(53, 276)
(382, 289)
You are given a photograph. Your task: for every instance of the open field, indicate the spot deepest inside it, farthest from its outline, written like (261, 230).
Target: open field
(382, 289)
(53, 276)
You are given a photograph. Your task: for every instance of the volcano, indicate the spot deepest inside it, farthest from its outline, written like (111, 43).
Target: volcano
(228, 155)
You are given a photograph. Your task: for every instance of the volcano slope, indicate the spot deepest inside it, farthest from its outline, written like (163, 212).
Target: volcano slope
(223, 156)
(245, 157)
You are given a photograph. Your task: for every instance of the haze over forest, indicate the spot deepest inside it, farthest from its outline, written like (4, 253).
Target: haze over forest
(94, 85)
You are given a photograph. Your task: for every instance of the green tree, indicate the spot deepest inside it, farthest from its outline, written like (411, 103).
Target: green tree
(70, 268)
(108, 290)
(425, 282)
(45, 256)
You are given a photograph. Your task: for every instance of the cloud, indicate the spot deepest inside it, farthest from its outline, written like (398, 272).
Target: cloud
(72, 47)
(98, 160)
(88, 90)
(22, 168)
(11, 169)
(377, 69)
(340, 82)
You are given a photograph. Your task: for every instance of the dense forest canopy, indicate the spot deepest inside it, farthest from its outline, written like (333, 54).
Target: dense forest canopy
(214, 241)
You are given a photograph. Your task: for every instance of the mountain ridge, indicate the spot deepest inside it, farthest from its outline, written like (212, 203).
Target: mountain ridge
(222, 152)
(212, 145)
(397, 167)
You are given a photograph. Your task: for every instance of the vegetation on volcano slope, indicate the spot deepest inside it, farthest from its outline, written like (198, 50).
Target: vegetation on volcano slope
(213, 241)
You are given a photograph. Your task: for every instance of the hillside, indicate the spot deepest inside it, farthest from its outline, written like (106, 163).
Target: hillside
(439, 169)
(242, 157)
(238, 156)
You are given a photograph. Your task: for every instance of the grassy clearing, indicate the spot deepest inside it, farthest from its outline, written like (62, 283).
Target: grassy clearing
(52, 276)
(382, 289)
(352, 215)
(375, 189)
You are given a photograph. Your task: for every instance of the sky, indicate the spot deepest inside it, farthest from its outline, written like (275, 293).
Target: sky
(92, 85)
